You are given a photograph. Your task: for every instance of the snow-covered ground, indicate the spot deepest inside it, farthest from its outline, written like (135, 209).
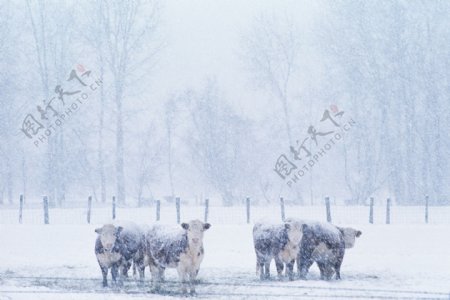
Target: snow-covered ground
(388, 261)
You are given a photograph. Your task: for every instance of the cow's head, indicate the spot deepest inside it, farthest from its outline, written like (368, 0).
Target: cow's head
(294, 231)
(195, 231)
(350, 235)
(108, 236)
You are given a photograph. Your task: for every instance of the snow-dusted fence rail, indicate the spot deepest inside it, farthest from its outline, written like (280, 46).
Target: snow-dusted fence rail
(91, 212)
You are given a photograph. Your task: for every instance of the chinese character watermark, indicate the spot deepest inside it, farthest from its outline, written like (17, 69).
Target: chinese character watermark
(301, 158)
(59, 108)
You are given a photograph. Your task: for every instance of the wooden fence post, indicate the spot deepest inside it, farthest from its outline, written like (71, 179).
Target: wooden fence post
(371, 211)
(89, 210)
(247, 201)
(283, 216)
(158, 210)
(426, 209)
(20, 209)
(206, 209)
(388, 211)
(327, 205)
(177, 205)
(46, 216)
(114, 207)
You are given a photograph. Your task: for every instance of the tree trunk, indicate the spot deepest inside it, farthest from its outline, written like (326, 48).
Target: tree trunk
(120, 177)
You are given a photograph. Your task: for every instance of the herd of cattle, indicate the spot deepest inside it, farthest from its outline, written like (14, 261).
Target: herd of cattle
(120, 247)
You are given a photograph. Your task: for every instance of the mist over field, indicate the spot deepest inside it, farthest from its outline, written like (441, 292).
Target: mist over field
(201, 99)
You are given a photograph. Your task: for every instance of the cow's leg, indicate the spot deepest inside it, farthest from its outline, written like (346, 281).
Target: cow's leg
(192, 276)
(337, 265)
(290, 269)
(141, 270)
(260, 266)
(126, 266)
(322, 269)
(280, 266)
(261, 270)
(298, 264)
(114, 272)
(122, 271)
(338, 272)
(139, 264)
(267, 269)
(161, 274)
(183, 275)
(337, 268)
(156, 277)
(305, 260)
(134, 269)
(304, 267)
(105, 275)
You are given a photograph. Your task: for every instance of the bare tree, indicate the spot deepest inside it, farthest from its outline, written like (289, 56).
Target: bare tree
(149, 157)
(170, 115)
(126, 30)
(93, 33)
(270, 50)
(51, 40)
(217, 142)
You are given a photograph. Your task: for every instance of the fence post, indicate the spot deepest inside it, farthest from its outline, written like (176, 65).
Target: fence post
(371, 211)
(114, 207)
(177, 205)
(89, 210)
(283, 216)
(388, 211)
(327, 204)
(426, 209)
(20, 209)
(46, 216)
(247, 202)
(158, 210)
(206, 209)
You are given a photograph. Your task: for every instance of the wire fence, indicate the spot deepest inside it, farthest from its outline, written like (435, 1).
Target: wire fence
(100, 213)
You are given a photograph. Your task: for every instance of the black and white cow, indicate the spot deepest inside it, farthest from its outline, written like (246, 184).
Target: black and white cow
(279, 242)
(116, 247)
(324, 244)
(176, 248)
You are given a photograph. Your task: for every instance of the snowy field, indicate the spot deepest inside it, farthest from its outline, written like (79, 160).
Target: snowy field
(389, 261)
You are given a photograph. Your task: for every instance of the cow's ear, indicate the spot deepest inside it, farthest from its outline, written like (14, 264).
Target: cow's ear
(287, 226)
(206, 226)
(185, 226)
(119, 230)
(358, 233)
(98, 230)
